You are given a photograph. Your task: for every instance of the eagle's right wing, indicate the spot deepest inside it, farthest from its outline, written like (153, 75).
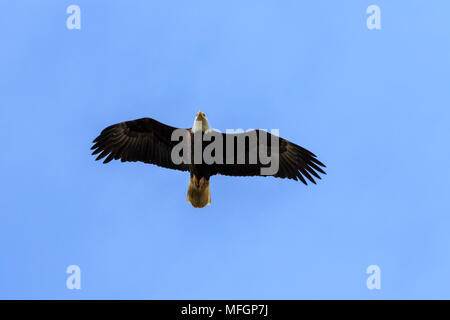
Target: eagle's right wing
(295, 162)
(144, 139)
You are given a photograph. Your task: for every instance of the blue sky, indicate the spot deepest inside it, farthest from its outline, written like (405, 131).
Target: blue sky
(372, 104)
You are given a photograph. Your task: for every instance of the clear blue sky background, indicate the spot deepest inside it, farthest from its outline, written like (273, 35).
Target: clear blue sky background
(373, 105)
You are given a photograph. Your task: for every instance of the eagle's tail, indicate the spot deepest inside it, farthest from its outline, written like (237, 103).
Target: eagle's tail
(198, 192)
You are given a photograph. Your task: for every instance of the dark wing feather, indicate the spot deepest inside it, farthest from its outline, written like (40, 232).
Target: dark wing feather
(295, 162)
(145, 140)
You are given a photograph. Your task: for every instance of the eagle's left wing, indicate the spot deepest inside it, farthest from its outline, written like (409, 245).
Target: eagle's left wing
(144, 139)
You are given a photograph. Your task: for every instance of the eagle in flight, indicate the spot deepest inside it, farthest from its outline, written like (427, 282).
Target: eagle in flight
(251, 153)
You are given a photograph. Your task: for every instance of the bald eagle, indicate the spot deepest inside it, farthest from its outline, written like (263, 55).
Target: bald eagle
(230, 154)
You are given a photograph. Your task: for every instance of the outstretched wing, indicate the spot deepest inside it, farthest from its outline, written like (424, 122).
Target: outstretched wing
(145, 140)
(295, 162)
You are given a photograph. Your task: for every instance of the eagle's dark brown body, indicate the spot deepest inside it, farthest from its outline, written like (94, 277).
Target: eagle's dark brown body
(198, 193)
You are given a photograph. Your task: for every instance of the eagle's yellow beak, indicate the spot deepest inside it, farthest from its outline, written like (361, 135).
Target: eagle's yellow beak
(200, 115)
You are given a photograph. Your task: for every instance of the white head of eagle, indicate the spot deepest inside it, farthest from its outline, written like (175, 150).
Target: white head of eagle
(241, 154)
(200, 123)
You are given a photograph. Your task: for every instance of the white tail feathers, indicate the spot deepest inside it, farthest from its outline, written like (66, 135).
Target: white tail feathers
(198, 192)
